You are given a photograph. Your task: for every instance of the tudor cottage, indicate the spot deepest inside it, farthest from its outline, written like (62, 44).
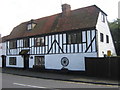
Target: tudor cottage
(60, 41)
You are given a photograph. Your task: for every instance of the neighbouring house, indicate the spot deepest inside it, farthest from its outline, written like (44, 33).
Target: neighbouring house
(60, 41)
(0, 51)
(3, 51)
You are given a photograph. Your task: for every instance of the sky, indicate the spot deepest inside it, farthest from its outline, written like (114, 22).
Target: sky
(14, 12)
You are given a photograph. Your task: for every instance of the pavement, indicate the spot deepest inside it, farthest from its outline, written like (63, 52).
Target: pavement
(61, 75)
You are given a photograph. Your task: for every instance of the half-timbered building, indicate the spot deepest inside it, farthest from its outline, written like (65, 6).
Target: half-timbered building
(60, 41)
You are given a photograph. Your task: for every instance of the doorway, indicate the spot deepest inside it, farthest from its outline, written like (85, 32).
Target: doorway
(26, 61)
(3, 61)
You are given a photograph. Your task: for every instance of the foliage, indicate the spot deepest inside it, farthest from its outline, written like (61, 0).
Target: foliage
(115, 31)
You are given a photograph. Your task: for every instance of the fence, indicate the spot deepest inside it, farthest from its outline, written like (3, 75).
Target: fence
(103, 67)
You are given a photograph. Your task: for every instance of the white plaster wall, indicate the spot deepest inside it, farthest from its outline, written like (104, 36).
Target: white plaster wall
(19, 61)
(76, 61)
(4, 48)
(31, 61)
(0, 54)
(55, 37)
(103, 46)
(2, 51)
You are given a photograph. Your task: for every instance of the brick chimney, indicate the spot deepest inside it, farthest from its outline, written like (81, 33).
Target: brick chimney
(66, 8)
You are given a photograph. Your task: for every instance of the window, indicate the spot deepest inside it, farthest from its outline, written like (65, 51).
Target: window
(79, 37)
(26, 42)
(103, 18)
(74, 38)
(39, 60)
(39, 41)
(107, 39)
(101, 37)
(12, 60)
(31, 26)
(13, 44)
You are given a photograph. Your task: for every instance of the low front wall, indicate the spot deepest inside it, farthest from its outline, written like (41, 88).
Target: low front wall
(76, 62)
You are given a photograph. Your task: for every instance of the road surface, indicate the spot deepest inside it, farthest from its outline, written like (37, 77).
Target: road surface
(15, 81)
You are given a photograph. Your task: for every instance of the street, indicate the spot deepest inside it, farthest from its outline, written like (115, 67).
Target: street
(15, 81)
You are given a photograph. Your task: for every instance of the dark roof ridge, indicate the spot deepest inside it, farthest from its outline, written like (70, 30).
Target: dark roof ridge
(91, 6)
(100, 9)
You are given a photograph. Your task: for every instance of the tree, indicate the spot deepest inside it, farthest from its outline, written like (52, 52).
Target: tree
(115, 31)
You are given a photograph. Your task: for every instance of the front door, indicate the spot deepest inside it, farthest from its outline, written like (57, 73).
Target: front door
(3, 61)
(26, 61)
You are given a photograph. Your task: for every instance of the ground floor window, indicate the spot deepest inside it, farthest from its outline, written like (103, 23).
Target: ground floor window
(12, 60)
(39, 60)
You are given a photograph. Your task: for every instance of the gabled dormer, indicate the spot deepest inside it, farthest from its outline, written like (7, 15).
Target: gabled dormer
(31, 25)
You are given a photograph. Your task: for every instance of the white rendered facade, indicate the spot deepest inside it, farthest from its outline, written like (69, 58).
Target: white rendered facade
(103, 47)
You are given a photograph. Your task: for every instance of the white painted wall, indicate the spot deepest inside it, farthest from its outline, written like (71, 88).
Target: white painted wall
(31, 61)
(0, 54)
(103, 46)
(19, 61)
(76, 61)
(4, 48)
(2, 51)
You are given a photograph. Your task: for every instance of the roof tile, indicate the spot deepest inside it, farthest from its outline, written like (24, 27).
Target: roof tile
(77, 19)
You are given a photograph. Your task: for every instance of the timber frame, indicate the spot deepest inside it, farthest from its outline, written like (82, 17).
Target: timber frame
(54, 40)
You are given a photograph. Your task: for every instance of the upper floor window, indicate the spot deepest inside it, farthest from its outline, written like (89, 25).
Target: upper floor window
(39, 41)
(26, 42)
(101, 37)
(107, 39)
(103, 17)
(13, 44)
(74, 38)
(31, 25)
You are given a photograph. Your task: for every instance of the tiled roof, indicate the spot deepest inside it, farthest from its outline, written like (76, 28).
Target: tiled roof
(3, 39)
(77, 19)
